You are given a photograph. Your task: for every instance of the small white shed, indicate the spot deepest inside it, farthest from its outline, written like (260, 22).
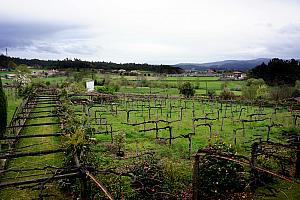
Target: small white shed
(90, 87)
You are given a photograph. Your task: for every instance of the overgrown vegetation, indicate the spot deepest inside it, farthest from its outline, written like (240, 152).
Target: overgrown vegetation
(221, 179)
(3, 110)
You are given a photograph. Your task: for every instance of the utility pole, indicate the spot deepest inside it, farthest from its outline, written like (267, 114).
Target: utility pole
(6, 51)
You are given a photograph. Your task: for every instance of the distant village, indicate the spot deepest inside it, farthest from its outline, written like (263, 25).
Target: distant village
(226, 75)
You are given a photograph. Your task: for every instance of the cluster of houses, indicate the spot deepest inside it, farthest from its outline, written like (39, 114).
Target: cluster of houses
(43, 73)
(124, 72)
(48, 73)
(235, 75)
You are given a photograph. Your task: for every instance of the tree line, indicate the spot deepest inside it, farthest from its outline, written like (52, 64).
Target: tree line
(277, 72)
(77, 64)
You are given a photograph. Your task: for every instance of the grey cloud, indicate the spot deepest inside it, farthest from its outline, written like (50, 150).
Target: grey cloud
(290, 29)
(20, 35)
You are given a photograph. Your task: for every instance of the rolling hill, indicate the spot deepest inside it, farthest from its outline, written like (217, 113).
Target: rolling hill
(242, 65)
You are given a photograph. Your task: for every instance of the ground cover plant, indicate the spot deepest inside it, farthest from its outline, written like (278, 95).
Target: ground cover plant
(143, 146)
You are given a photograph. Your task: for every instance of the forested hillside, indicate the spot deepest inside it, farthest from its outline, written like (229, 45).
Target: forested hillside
(77, 63)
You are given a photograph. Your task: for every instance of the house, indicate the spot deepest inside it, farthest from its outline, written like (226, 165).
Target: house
(10, 76)
(237, 75)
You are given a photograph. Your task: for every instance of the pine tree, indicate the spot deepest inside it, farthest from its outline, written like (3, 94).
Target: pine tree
(3, 111)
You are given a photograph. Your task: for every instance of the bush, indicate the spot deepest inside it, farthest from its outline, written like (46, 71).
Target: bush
(281, 92)
(107, 89)
(211, 93)
(249, 91)
(186, 89)
(25, 90)
(227, 95)
(220, 178)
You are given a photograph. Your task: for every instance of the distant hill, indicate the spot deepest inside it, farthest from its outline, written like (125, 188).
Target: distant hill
(242, 65)
(77, 64)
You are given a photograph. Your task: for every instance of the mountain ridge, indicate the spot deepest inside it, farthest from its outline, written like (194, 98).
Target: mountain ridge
(242, 65)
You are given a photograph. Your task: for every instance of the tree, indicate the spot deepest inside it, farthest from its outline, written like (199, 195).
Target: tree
(278, 72)
(12, 64)
(186, 89)
(3, 111)
(226, 94)
(254, 88)
(211, 93)
(23, 69)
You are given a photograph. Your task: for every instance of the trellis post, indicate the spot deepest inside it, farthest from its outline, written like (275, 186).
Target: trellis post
(196, 181)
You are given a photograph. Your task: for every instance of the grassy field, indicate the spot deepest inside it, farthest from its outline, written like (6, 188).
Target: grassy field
(201, 78)
(35, 144)
(202, 133)
(13, 101)
(166, 91)
(177, 154)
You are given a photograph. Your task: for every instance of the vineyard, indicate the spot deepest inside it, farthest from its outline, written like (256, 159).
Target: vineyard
(62, 145)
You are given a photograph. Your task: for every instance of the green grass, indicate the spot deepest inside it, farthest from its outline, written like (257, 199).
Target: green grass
(52, 80)
(172, 91)
(178, 152)
(202, 133)
(13, 101)
(206, 78)
(285, 191)
(34, 144)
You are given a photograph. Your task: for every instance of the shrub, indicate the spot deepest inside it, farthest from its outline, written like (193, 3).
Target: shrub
(227, 95)
(211, 93)
(108, 89)
(249, 91)
(119, 142)
(149, 178)
(99, 82)
(281, 92)
(220, 178)
(186, 89)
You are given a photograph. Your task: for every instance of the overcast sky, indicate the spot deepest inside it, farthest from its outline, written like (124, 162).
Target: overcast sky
(150, 31)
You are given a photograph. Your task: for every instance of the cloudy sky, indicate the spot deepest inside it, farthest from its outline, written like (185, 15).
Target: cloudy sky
(156, 31)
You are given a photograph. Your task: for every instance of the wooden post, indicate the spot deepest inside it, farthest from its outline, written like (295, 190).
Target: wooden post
(268, 134)
(297, 144)
(144, 124)
(170, 130)
(254, 173)
(181, 113)
(149, 113)
(128, 116)
(196, 181)
(234, 135)
(243, 127)
(193, 109)
(222, 125)
(156, 130)
(210, 131)
(194, 127)
(170, 109)
(190, 146)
